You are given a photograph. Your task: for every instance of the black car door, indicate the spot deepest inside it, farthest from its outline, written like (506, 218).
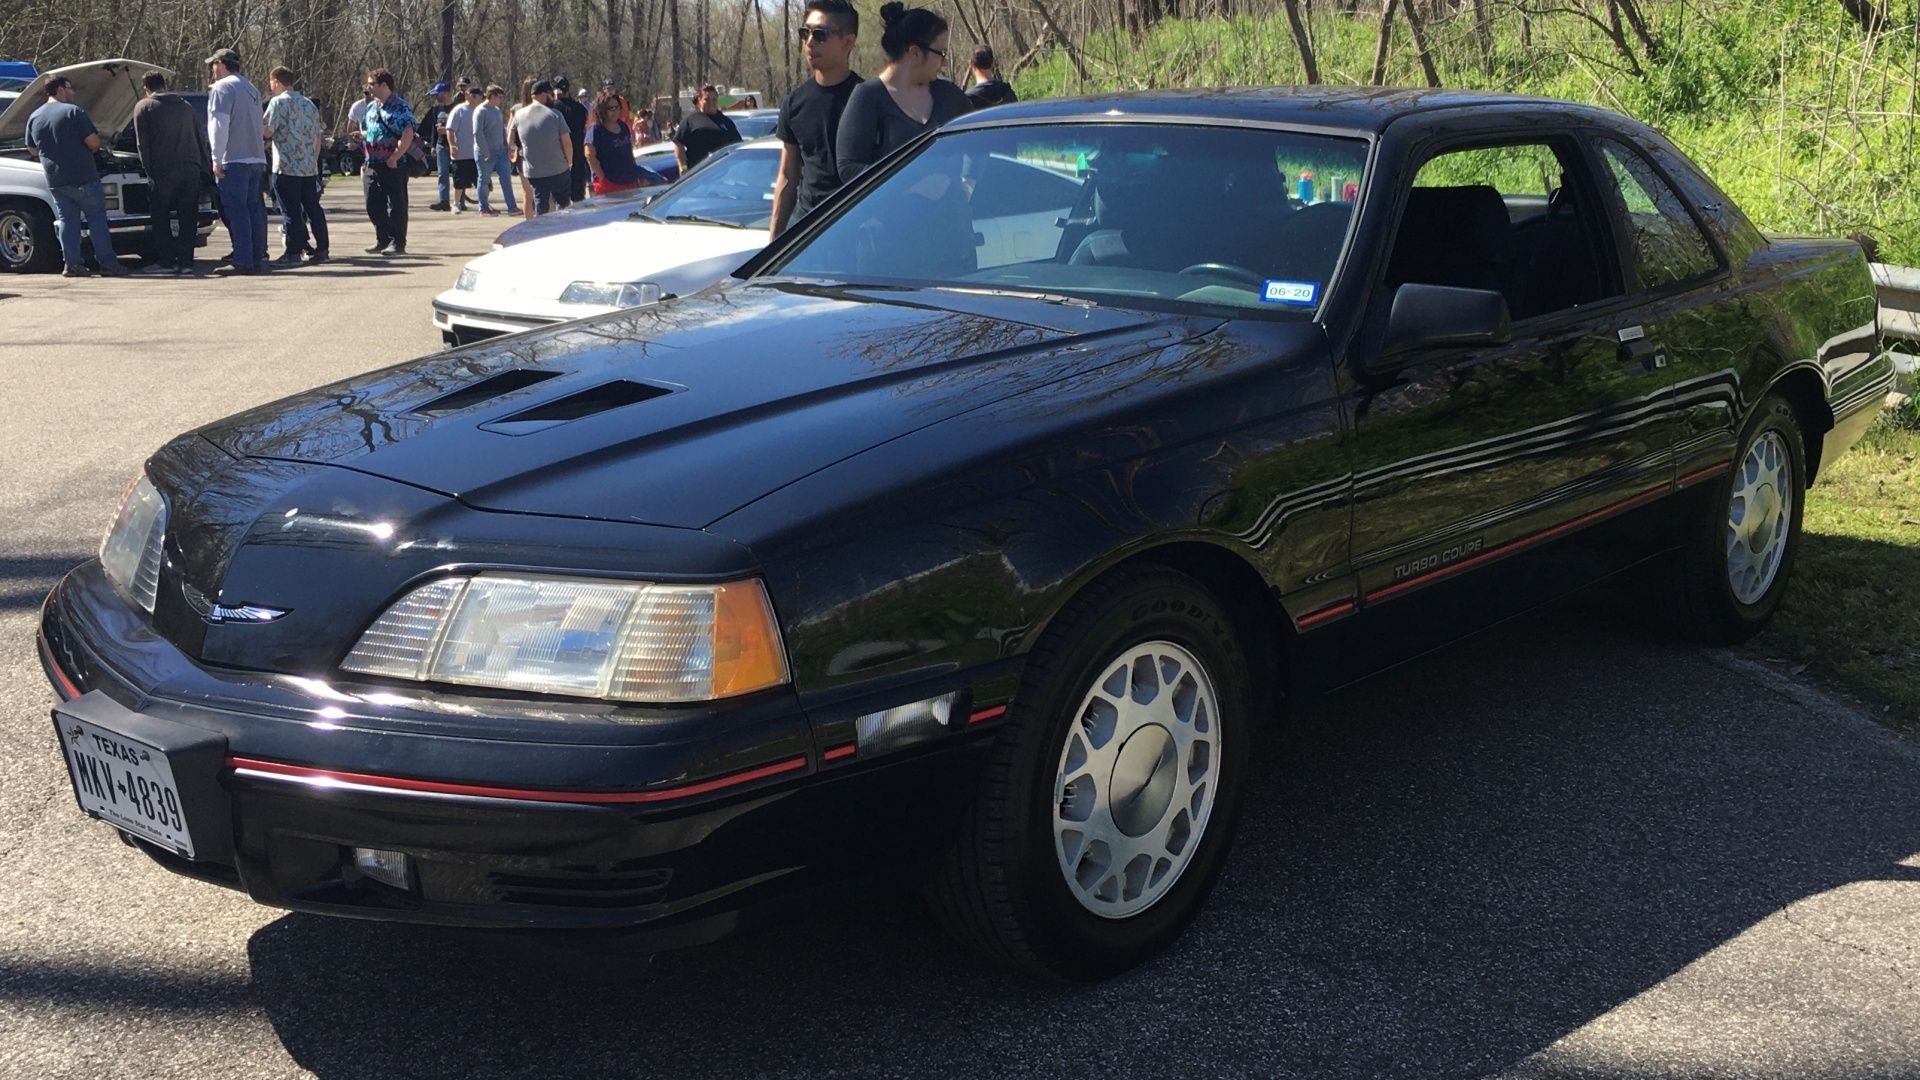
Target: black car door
(1466, 457)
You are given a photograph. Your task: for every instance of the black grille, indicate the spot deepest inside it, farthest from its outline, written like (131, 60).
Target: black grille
(592, 889)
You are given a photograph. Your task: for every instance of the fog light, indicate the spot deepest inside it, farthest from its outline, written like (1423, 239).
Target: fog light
(904, 725)
(387, 867)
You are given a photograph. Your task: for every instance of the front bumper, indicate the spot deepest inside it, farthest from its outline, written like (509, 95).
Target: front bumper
(462, 319)
(507, 832)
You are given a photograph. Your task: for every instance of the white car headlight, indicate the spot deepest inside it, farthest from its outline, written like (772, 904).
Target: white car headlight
(131, 552)
(596, 638)
(611, 293)
(469, 281)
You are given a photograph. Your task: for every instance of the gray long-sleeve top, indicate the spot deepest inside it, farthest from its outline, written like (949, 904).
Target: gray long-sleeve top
(489, 132)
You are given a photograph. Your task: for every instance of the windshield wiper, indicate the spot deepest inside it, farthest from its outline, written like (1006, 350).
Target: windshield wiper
(642, 215)
(703, 219)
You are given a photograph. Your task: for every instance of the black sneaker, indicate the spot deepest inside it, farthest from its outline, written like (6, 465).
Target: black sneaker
(315, 258)
(116, 270)
(73, 270)
(287, 258)
(377, 249)
(397, 249)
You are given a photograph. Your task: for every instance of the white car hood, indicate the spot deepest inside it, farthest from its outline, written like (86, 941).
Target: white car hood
(678, 257)
(107, 89)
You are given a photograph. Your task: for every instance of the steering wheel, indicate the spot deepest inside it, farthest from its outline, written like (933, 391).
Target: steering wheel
(1226, 270)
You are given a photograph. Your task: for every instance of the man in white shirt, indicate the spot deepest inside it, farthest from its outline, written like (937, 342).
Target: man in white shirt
(235, 130)
(459, 134)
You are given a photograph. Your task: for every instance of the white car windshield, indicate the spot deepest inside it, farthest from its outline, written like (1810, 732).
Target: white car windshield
(1158, 215)
(735, 191)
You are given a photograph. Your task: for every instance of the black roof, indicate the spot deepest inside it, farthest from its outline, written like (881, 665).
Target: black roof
(1358, 108)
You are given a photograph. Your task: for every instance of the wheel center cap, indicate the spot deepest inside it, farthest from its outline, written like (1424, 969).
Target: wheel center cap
(1142, 784)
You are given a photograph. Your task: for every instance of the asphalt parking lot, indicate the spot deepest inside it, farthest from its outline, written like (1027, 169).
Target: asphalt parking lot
(1562, 850)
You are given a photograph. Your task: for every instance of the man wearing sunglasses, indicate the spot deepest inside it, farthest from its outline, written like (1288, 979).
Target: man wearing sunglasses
(810, 115)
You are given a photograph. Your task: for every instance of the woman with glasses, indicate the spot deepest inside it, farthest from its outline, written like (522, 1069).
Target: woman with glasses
(907, 98)
(610, 147)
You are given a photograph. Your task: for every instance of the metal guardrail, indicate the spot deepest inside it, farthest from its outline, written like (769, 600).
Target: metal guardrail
(1899, 291)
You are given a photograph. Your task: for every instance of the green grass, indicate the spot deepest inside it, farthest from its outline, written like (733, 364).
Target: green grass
(1807, 123)
(1851, 618)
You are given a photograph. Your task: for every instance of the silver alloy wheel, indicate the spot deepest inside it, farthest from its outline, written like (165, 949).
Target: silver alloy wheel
(1137, 779)
(1759, 515)
(16, 238)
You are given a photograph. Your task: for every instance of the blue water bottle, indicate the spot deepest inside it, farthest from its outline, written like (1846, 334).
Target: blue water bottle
(1306, 186)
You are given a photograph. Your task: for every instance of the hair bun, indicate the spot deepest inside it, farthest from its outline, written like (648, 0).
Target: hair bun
(892, 12)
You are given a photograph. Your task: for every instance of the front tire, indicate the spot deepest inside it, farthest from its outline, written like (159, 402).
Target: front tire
(1736, 562)
(1107, 808)
(28, 242)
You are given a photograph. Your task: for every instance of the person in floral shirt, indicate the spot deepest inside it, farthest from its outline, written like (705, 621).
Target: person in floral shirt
(293, 123)
(389, 131)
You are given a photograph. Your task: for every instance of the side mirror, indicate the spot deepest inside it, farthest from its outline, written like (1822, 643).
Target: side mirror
(1440, 316)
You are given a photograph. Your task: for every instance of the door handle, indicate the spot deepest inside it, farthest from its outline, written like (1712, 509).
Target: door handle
(1637, 348)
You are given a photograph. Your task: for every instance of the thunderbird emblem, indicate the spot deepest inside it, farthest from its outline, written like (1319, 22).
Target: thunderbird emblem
(221, 613)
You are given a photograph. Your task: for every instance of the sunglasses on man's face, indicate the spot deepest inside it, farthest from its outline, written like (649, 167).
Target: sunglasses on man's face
(816, 33)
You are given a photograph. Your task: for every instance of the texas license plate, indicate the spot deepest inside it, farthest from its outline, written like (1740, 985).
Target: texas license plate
(126, 783)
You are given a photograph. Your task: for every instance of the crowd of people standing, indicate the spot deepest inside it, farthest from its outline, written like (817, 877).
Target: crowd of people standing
(832, 126)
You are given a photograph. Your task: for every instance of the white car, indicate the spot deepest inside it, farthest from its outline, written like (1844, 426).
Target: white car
(108, 90)
(691, 235)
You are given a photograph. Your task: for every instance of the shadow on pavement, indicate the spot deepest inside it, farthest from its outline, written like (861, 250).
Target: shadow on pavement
(1440, 874)
(25, 579)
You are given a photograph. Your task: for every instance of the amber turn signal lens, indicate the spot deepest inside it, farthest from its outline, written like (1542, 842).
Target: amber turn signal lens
(746, 646)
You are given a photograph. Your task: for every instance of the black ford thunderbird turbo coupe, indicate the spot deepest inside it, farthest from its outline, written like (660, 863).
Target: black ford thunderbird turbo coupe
(987, 513)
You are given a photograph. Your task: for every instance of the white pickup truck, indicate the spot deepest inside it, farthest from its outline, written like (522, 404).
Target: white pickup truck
(108, 90)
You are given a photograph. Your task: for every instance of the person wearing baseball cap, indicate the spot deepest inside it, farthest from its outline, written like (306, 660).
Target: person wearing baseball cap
(236, 133)
(546, 150)
(576, 116)
(433, 128)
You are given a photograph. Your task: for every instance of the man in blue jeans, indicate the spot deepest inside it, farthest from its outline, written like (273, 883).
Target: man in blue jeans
(62, 136)
(490, 148)
(236, 132)
(433, 124)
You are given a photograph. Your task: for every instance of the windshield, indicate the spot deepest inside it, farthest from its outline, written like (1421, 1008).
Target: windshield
(756, 125)
(1153, 214)
(736, 189)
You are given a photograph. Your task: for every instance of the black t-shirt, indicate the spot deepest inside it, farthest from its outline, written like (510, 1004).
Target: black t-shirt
(434, 122)
(992, 92)
(810, 121)
(576, 117)
(701, 135)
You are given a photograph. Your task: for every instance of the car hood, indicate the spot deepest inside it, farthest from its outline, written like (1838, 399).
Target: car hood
(679, 413)
(620, 251)
(107, 89)
(605, 209)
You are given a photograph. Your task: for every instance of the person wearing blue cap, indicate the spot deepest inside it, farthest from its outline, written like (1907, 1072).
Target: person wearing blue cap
(433, 124)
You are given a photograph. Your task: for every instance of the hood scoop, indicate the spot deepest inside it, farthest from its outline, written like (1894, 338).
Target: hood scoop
(591, 402)
(485, 390)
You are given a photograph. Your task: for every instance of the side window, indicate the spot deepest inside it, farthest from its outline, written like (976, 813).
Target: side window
(1503, 218)
(1667, 246)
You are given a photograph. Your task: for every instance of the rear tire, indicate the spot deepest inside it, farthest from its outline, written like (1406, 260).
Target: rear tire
(1106, 810)
(1736, 561)
(28, 242)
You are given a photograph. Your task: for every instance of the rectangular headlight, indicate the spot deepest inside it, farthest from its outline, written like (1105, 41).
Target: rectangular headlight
(468, 281)
(132, 549)
(611, 293)
(620, 640)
